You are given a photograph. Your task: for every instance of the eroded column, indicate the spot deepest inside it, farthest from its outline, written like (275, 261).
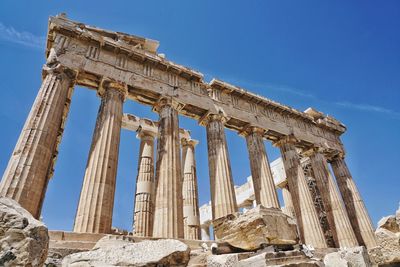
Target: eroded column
(168, 212)
(223, 198)
(338, 220)
(144, 196)
(263, 182)
(31, 164)
(307, 219)
(288, 209)
(191, 218)
(94, 214)
(205, 232)
(355, 206)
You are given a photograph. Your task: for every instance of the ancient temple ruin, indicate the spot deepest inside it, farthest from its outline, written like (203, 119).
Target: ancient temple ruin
(122, 67)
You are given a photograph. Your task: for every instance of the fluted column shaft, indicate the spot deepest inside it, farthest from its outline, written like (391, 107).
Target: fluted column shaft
(338, 220)
(30, 166)
(263, 182)
(191, 217)
(94, 213)
(307, 219)
(223, 198)
(144, 196)
(205, 232)
(355, 206)
(288, 209)
(168, 213)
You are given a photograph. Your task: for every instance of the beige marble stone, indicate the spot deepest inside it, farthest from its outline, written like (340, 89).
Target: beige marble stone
(24, 241)
(168, 211)
(149, 76)
(223, 198)
(191, 214)
(338, 219)
(94, 214)
(288, 209)
(144, 195)
(30, 166)
(256, 228)
(263, 182)
(355, 206)
(163, 252)
(307, 219)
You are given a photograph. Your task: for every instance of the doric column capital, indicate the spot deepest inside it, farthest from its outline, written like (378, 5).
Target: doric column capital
(209, 117)
(287, 139)
(252, 130)
(107, 85)
(144, 135)
(336, 156)
(54, 67)
(311, 151)
(189, 142)
(167, 101)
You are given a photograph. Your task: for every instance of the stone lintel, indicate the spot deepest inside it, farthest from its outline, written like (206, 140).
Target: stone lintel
(240, 107)
(107, 84)
(144, 126)
(189, 142)
(252, 129)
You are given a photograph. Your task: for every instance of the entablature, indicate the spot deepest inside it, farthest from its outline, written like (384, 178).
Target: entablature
(96, 55)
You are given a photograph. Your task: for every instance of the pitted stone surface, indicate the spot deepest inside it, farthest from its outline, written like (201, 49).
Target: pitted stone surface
(166, 252)
(388, 238)
(256, 228)
(356, 256)
(24, 240)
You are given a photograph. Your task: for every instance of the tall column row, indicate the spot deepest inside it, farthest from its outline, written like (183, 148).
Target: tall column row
(223, 198)
(168, 210)
(30, 166)
(95, 208)
(166, 200)
(338, 220)
(355, 206)
(307, 219)
(144, 195)
(263, 182)
(191, 216)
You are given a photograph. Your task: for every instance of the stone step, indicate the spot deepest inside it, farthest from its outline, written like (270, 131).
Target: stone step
(81, 245)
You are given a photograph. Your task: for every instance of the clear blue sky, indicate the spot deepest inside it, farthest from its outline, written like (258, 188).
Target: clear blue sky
(341, 57)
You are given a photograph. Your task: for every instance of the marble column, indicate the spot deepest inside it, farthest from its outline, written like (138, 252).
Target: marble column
(307, 219)
(144, 195)
(355, 206)
(223, 198)
(94, 213)
(191, 217)
(288, 209)
(205, 232)
(31, 164)
(263, 182)
(168, 211)
(338, 220)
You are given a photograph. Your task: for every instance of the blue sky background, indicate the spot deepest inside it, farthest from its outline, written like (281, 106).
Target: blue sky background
(341, 57)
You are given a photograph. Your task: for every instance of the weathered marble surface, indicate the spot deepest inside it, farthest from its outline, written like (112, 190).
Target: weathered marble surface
(24, 240)
(356, 256)
(166, 252)
(256, 228)
(388, 239)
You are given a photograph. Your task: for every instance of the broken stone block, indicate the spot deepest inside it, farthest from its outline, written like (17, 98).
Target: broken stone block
(345, 257)
(256, 229)
(24, 241)
(164, 252)
(388, 238)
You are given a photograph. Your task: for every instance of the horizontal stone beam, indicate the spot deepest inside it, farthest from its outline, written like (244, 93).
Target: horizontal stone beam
(134, 123)
(98, 54)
